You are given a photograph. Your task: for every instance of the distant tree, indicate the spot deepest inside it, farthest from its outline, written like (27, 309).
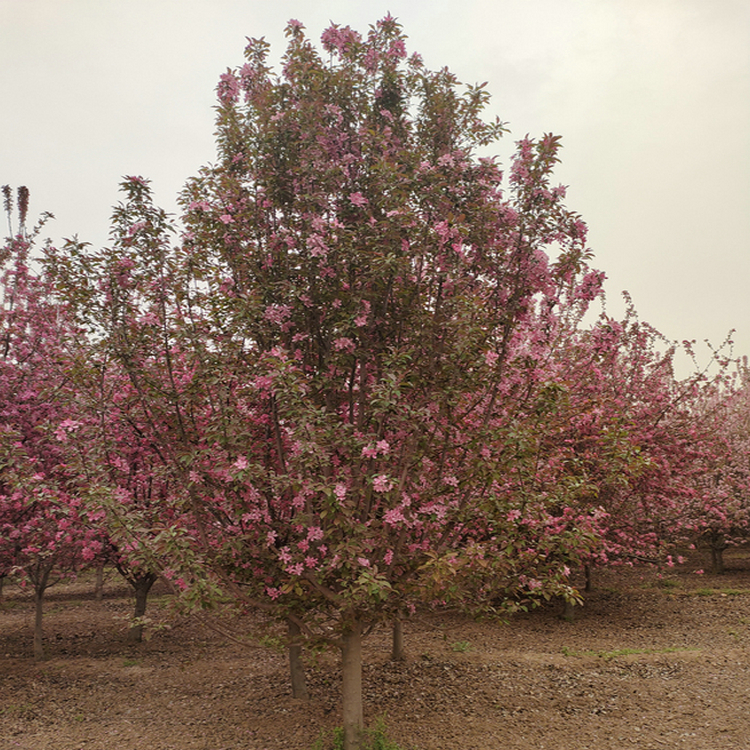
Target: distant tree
(717, 515)
(44, 534)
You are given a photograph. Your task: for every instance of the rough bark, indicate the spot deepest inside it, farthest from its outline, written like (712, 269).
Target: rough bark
(397, 650)
(587, 575)
(351, 672)
(717, 560)
(38, 632)
(142, 585)
(99, 583)
(40, 579)
(569, 610)
(296, 667)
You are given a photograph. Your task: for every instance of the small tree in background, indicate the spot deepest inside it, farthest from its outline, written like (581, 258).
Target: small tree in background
(44, 534)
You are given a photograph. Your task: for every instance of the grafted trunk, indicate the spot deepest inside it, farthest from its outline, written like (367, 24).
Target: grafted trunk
(296, 667)
(351, 672)
(397, 650)
(99, 583)
(40, 579)
(569, 611)
(142, 585)
(717, 560)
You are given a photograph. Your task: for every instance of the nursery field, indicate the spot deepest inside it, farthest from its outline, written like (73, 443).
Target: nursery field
(649, 662)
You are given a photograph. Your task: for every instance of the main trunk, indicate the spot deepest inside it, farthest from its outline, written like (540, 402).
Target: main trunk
(397, 650)
(99, 583)
(717, 560)
(351, 672)
(142, 586)
(296, 667)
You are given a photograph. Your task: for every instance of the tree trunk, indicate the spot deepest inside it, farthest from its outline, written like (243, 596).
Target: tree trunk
(142, 585)
(569, 610)
(99, 583)
(587, 577)
(717, 560)
(351, 672)
(397, 651)
(38, 612)
(296, 667)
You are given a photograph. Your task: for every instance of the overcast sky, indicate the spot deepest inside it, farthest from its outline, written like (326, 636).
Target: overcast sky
(651, 98)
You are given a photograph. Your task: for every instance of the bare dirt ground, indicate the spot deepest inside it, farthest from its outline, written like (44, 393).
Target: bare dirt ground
(649, 662)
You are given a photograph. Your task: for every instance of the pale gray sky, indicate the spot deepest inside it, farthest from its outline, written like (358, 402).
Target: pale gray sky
(651, 97)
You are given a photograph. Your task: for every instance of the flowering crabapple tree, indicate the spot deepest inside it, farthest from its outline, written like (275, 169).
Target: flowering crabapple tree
(718, 514)
(636, 437)
(45, 534)
(122, 473)
(329, 358)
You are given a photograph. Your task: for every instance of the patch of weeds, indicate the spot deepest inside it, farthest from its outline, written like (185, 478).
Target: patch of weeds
(272, 642)
(372, 739)
(607, 655)
(18, 711)
(131, 662)
(461, 647)
(669, 583)
(720, 592)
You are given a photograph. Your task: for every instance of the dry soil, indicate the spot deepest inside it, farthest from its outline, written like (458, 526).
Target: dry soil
(649, 662)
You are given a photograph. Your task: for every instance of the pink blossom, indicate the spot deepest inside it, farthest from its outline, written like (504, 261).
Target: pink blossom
(393, 516)
(397, 49)
(277, 313)
(226, 219)
(343, 344)
(388, 557)
(316, 246)
(381, 483)
(361, 319)
(340, 491)
(315, 533)
(228, 87)
(358, 199)
(364, 562)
